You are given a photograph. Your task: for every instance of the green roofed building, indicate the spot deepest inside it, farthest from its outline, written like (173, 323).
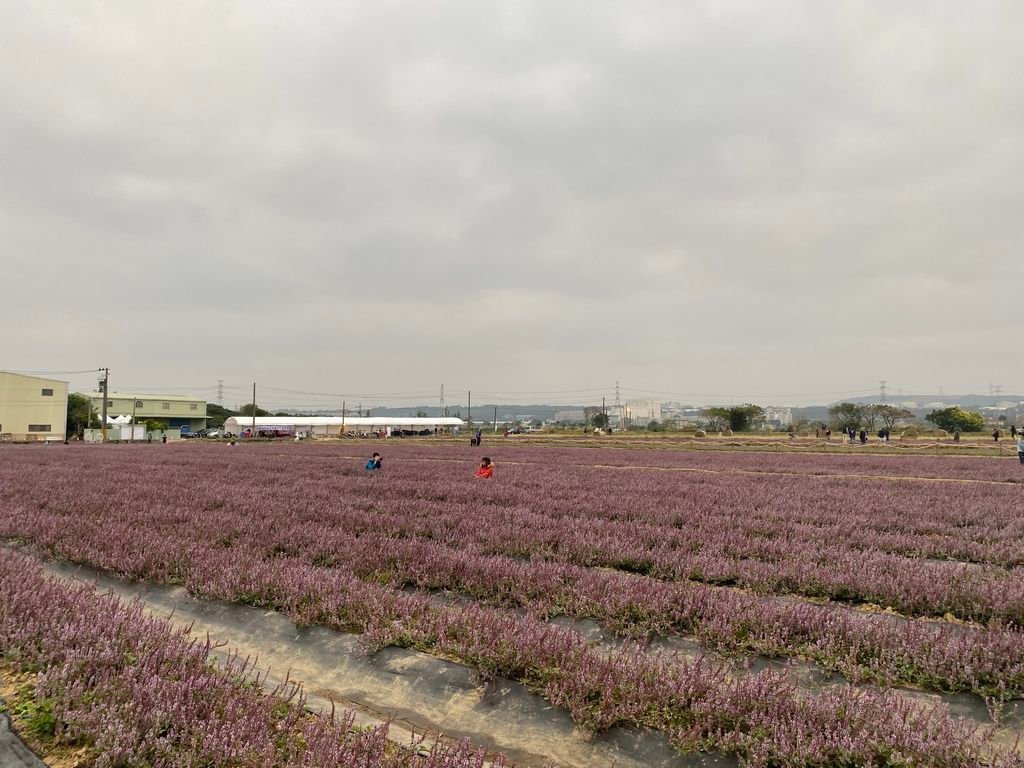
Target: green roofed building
(176, 411)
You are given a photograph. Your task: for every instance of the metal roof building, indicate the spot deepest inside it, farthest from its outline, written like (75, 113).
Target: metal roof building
(176, 411)
(337, 425)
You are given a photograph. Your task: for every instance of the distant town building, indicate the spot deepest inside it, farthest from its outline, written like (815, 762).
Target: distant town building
(32, 408)
(641, 412)
(777, 417)
(176, 411)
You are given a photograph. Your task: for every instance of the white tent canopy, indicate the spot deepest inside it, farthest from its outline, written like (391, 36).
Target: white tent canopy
(324, 425)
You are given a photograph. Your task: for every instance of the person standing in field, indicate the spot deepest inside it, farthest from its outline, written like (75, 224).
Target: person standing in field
(373, 463)
(1020, 446)
(996, 435)
(1013, 431)
(486, 468)
(479, 436)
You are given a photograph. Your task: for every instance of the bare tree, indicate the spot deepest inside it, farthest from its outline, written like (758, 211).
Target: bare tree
(716, 418)
(890, 414)
(869, 415)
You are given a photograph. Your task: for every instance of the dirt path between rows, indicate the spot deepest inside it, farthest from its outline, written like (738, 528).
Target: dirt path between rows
(414, 690)
(420, 693)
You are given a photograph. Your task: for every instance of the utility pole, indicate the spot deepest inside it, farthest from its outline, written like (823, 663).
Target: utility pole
(253, 409)
(618, 406)
(220, 392)
(442, 411)
(604, 414)
(881, 391)
(105, 383)
(469, 409)
(342, 418)
(495, 418)
(135, 403)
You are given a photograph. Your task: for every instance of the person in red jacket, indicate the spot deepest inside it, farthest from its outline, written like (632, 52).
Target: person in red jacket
(486, 468)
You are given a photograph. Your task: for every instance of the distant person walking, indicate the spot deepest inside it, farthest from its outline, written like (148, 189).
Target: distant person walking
(373, 463)
(486, 468)
(479, 436)
(863, 436)
(1020, 447)
(996, 435)
(1013, 431)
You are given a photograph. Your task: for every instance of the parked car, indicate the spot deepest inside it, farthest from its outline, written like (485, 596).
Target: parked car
(212, 433)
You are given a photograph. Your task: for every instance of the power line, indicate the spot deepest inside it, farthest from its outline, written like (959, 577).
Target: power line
(721, 396)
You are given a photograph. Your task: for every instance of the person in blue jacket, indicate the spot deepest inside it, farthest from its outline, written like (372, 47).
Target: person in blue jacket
(373, 462)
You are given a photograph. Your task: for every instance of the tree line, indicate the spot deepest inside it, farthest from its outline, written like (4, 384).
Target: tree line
(845, 416)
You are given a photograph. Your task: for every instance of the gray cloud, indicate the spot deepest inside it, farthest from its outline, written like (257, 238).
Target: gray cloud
(729, 196)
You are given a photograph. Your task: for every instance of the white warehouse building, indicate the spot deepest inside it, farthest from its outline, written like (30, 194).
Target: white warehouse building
(335, 426)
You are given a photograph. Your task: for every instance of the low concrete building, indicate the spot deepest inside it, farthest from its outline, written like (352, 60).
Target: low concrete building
(176, 411)
(32, 408)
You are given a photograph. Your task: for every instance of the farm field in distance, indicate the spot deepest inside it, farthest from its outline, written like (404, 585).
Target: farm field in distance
(759, 608)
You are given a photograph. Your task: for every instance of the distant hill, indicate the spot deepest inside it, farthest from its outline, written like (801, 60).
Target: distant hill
(978, 401)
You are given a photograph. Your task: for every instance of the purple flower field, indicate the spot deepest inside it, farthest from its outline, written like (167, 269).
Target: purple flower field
(702, 545)
(136, 692)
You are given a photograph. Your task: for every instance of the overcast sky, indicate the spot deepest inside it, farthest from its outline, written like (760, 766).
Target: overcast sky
(786, 201)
